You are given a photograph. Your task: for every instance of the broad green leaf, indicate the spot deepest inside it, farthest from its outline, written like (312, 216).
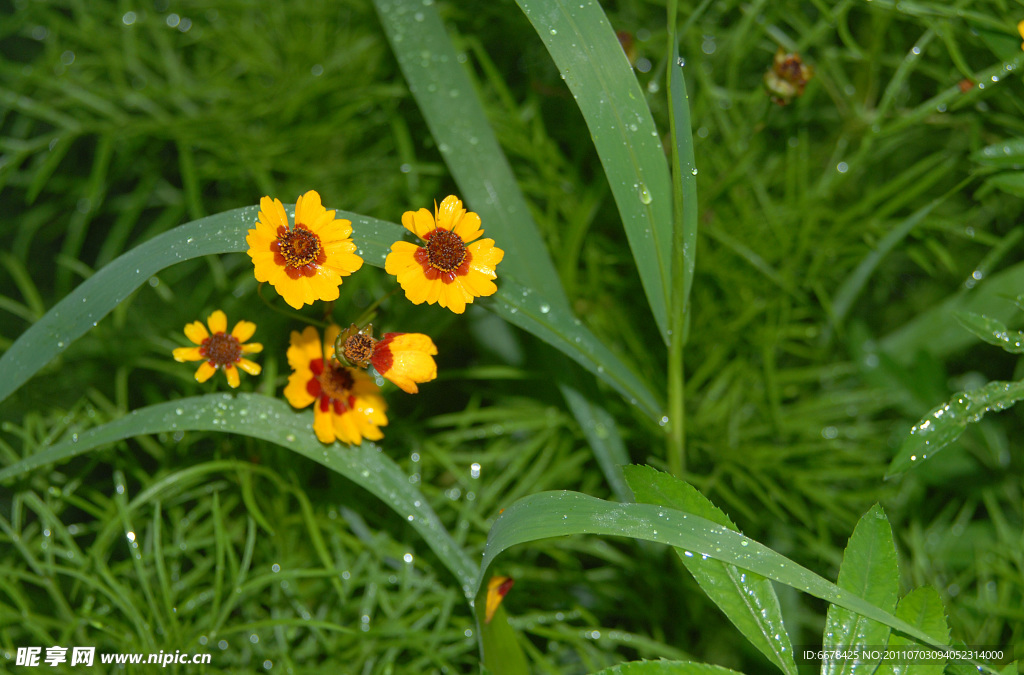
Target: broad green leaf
(870, 571)
(1010, 182)
(992, 331)
(593, 64)
(438, 79)
(923, 608)
(225, 232)
(665, 668)
(947, 422)
(747, 599)
(1005, 155)
(272, 420)
(555, 514)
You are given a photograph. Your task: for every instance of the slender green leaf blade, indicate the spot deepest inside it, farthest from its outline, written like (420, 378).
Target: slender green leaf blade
(684, 186)
(992, 331)
(1010, 182)
(747, 599)
(923, 608)
(591, 60)
(533, 312)
(869, 570)
(272, 420)
(452, 109)
(1005, 155)
(603, 435)
(501, 652)
(80, 310)
(554, 514)
(944, 424)
(665, 668)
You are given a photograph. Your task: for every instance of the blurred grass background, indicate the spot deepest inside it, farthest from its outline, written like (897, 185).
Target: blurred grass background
(118, 122)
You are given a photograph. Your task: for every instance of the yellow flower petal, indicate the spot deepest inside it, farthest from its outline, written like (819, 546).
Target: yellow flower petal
(323, 425)
(218, 322)
(296, 392)
(421, 223)
(497, 588)
(305, 347)
(232, 374)
(249, 367)
(272, 213)
(252, 348)
(205, 372)
(182, 354)
(196, 332)
(243, 330)
(406, 359)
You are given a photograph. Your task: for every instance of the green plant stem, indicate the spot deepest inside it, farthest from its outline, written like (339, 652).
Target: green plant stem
(676, 448)
(284, 312)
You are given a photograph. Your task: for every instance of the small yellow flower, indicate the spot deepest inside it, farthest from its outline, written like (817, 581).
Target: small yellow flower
(307, 262)
(349, 406)
(404, 358)
(448, 270)
(220, 349)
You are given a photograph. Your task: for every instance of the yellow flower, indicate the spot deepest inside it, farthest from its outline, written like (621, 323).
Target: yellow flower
(307, 262)
(220, 349)
(349, 406)
(404, 358)
(448, 270)
(1020, 29)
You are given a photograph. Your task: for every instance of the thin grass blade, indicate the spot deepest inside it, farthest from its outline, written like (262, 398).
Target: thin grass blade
(593, 64)
(555, 514)
(275, 421)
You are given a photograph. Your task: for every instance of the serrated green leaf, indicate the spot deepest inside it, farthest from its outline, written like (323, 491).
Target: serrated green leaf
(593, 64)
(272, 420)
(665, 668)
(923, 608)
(1005, 155)
(947, 422)
(747, 599)
(869, 570)
(554, 514)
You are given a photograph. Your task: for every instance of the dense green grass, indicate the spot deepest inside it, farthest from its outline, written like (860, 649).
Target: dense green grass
(803, 375)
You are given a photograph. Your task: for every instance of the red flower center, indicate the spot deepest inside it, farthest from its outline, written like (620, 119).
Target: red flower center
(332, 385)
(221, 349)
(445, 250)
(298, 250)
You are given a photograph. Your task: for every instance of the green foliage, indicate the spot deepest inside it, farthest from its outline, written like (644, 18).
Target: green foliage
(845, 241)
